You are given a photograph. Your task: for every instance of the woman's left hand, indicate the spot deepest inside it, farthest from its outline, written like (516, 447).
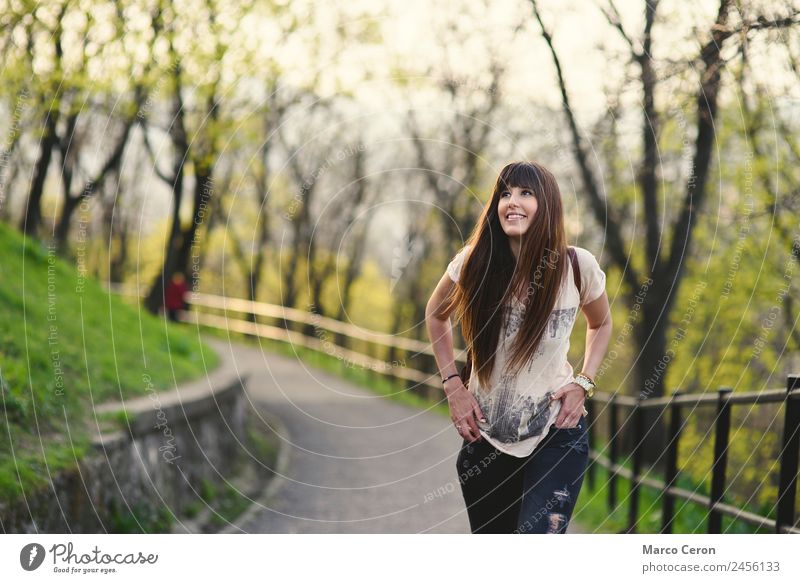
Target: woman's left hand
(571, 411)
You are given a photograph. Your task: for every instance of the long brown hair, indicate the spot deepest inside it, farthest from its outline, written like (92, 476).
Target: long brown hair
(490, 275)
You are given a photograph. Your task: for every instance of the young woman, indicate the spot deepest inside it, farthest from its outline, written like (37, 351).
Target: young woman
(514, 290)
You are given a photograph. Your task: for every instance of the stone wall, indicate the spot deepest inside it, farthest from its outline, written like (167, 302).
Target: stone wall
(141, 478)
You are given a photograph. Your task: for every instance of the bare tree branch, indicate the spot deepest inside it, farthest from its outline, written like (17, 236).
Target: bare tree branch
(648, 172)
(153, 159)
(707, 97)
(612, 15)
(599, 206)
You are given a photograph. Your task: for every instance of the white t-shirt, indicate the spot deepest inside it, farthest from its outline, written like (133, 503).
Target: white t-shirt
(518, 409)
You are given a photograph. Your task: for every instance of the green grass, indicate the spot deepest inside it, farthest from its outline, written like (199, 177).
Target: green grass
(226, 501)
(66, 346)
(263, 444)
(140, 519)
(593, 514)
(376, 382)
(228, 504)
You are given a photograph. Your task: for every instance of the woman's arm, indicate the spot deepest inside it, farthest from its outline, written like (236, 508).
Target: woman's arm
(598, 333)
(464, 409)
(440, 331)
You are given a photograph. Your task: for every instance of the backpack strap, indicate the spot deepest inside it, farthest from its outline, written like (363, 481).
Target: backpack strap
(576, 268)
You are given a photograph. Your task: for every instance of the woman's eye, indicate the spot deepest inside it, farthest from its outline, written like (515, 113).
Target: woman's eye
(526, 192)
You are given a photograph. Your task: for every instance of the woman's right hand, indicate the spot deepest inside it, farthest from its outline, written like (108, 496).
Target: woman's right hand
(464, 410)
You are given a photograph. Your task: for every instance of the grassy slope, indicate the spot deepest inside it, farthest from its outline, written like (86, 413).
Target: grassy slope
(63, 349)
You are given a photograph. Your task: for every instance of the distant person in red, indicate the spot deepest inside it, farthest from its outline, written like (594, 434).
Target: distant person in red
(174, 296)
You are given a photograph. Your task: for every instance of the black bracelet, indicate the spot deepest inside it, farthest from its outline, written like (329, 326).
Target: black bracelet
(455, 374)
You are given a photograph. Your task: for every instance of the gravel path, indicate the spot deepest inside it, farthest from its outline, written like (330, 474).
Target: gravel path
(355, 462)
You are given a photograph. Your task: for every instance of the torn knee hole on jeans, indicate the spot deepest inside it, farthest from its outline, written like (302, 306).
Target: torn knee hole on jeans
(555, 522)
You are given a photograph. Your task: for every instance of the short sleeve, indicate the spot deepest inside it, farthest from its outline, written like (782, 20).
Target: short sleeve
(593, 278)
(454, 268)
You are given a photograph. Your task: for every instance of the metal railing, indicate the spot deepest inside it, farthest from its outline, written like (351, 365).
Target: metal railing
(674, 404)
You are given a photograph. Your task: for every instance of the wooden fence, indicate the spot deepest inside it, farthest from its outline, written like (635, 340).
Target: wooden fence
(380, 353)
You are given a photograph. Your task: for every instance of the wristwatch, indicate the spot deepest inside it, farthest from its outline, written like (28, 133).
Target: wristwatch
(585, 382)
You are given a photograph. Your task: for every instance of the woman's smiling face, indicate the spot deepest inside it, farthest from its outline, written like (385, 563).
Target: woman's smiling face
(516, 208)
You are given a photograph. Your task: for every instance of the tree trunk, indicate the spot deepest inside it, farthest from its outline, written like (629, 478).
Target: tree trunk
(32, 217)
(62, 227)
(649, 373)
(118, 261)
(300, 242)
(352, 273)
(203, 192)
(155, 297)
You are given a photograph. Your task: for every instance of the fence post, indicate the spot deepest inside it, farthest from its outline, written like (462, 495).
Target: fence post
(787, 482)
(391, 358)
(671, 470)
(402, 362)
(423, 362)
(590, 472)
(722, 427)
(638, 437)
(612, 453)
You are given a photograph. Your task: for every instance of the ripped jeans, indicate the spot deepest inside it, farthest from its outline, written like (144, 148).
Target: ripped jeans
(530, 495)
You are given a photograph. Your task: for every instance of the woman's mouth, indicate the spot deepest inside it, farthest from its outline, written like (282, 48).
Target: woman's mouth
(511, 217)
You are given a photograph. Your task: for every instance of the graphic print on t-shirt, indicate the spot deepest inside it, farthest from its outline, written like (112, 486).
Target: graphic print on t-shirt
(561, 321)
(512, 417)
(558, 326)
